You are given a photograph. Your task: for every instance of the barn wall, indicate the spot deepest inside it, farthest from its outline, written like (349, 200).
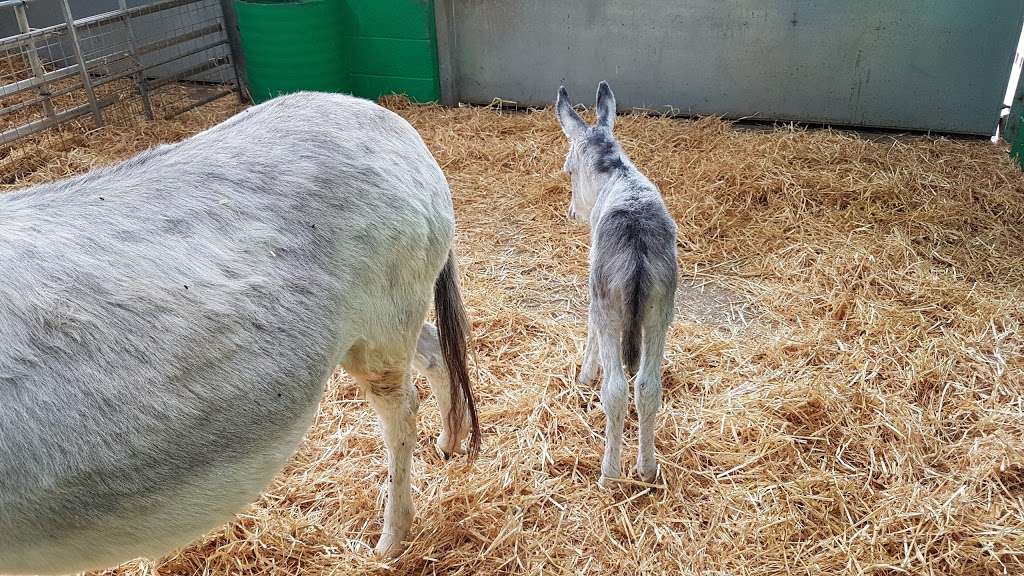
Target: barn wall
(913, 64)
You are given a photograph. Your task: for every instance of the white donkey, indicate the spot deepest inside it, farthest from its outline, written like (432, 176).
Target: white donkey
(632, 276)
(167, 326)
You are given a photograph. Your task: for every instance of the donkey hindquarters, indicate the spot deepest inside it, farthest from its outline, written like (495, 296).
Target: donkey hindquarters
(167, 325)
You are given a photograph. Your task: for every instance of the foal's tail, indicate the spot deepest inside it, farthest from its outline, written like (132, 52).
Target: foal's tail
(636, 295)
(453, 331)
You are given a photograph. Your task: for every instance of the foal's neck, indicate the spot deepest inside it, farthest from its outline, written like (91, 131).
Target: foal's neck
(613, 185)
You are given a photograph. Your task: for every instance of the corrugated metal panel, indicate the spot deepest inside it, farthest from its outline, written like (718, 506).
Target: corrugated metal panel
(913, 64)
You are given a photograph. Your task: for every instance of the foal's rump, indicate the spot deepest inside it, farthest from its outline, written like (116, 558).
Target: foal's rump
(167, 324)
(633, 267)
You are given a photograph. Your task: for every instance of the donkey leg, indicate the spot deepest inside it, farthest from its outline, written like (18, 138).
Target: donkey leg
(395, 401)
(647, 396)
(591, 354)
(390, 391)
(614, 394)
(429, 361)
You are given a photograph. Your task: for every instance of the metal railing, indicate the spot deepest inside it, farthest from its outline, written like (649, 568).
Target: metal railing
(164, 58)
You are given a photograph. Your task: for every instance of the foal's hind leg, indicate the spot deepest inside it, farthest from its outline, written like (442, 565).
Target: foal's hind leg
(614, 393)
(591, 354)
(429, 361)
(383, 374)
(647, 395)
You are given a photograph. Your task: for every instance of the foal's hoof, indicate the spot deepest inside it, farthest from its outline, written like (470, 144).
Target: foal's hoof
(607, 482)
(648, 474)
(585, 379)
(389, 546)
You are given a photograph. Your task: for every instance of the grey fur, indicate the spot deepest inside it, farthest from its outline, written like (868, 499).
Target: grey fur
(633, 274)
(167, 324)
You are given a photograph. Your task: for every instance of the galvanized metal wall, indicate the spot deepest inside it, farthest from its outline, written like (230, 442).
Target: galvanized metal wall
(913, 64)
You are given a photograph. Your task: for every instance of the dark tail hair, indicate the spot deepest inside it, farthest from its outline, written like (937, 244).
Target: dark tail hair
(453, 332)
(631, 330)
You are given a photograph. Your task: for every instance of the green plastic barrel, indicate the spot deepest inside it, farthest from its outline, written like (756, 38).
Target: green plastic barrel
(293, 45)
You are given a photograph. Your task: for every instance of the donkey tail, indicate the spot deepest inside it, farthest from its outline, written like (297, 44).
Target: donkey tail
(636, 293)
(453, 331)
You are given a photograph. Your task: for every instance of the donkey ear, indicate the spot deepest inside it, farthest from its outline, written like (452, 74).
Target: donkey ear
(605, 106)
(572, 124)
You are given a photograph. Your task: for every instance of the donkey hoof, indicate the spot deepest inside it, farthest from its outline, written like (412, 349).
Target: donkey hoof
(607, 482)
(446, 451)
(389, 546)
(648, 473)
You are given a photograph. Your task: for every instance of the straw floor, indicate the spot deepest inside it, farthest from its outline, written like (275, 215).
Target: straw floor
(844, 385)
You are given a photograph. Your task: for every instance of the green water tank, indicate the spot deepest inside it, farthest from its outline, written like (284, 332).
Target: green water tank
(294, 45)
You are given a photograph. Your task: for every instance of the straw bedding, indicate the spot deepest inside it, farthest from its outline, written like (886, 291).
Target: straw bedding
(843, 385)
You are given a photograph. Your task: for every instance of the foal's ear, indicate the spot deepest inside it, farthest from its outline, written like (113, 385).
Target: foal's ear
(605, 105)
(572, 124)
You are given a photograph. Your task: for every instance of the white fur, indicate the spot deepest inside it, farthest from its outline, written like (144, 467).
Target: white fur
(167, 325)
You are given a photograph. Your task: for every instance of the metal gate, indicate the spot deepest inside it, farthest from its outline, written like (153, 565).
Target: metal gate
(157, 59)
(913, 64)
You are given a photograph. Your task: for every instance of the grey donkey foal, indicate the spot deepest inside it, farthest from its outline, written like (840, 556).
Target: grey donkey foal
(632, 276)
(167, 326)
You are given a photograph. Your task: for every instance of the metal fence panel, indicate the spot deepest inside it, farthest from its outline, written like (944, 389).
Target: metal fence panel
(153, 58)
(914, 64)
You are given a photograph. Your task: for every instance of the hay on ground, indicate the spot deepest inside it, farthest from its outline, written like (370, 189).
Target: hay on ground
(843, 386)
